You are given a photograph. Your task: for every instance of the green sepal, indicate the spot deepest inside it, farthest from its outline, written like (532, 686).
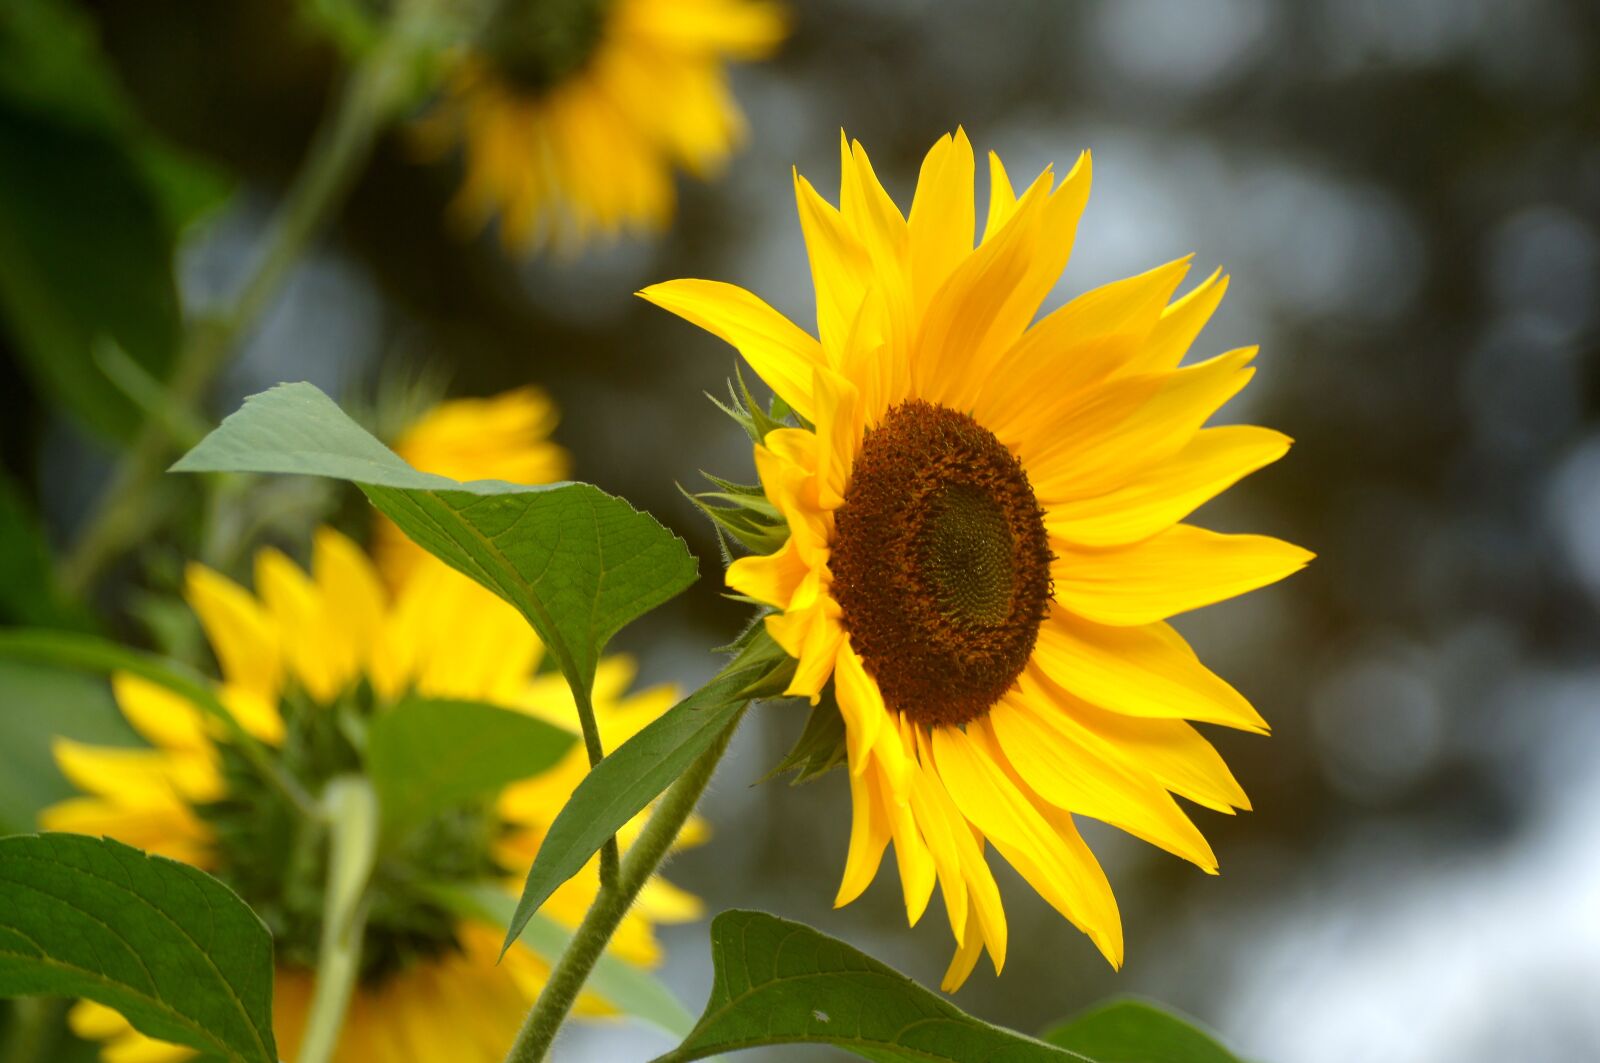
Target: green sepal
(750, 520)
(749, 415)
(819, 749)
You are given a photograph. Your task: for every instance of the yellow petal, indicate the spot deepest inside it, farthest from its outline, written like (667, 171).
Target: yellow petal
(816, 634)
(771, 578)
(779, 351)
(1074, 779)
(1002, 199)
(139, 777)
(841, 270)
(252, 712)
(1180, 323)
(917, 873)
(1131, 423)
(1169, 752)
(869, 836)
(348, 585)
(1166, 492)
(167, 828)
(1048, 854)
(967, 328)
(662, 902)
(1043, 377)
(241, 635)
(1180, 569)
(96, 1022)
(867, 208)
(1145, 670)
(163, 718)
(965, 959)
(316, 654)
(942, 215)
(1058, 226)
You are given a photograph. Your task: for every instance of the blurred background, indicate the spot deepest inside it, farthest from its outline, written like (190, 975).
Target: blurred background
(1407, 195)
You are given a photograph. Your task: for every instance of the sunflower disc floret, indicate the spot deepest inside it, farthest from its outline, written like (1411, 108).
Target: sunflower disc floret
(940, 563)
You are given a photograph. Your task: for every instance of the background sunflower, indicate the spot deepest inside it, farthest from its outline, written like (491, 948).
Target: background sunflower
(308, 662)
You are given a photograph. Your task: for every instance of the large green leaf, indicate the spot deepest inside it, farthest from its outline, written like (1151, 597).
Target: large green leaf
(628, 779)
(426, 756)
(1136, 1031)
(630, 989)
(170, 947)
(38, 704)
(778, 982)
(577, 562)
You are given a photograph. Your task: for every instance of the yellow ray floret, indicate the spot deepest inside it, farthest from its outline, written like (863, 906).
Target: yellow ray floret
(1028, 555)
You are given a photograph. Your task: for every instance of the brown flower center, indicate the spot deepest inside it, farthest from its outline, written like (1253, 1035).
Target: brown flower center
(940, 563)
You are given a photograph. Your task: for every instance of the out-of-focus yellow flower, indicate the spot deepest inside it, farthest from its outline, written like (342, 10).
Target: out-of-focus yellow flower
(305, 662)
(986, 536)
(504, 437)
(572, 117)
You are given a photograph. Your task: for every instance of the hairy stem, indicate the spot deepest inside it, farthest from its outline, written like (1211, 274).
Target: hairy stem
(605, 915)
(341, 146)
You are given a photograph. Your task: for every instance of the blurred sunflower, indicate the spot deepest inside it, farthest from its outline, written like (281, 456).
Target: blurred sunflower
(305, 664)
(503, 437)
(985, 536)
(572, 115)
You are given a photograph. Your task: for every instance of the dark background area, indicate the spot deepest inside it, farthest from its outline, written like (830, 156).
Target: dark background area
(1407, 195)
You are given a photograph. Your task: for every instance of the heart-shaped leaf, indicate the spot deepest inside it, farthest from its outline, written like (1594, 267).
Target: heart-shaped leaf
(1136, 1031)
(577, 562)
(426, 756)
(170, 947)
(779, 982)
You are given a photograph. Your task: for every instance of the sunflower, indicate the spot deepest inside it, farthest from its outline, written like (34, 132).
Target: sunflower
(503, 437)
(304, 665)
(572, 115)
(985, 537)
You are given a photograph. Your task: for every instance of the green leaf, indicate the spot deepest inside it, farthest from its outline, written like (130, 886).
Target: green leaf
(623, 784)
(427, 756)
(85, 253)
(633, 990)
(37, 705)
(577, 562)
(1135, 1031)
(779, 982)
(165, 944)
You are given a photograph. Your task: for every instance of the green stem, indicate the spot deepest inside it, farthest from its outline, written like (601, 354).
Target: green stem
(589, 725)
(374, 90)
(605, 915)
(350, 809)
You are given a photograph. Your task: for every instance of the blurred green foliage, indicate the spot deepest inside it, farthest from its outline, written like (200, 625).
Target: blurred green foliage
(78, 170)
